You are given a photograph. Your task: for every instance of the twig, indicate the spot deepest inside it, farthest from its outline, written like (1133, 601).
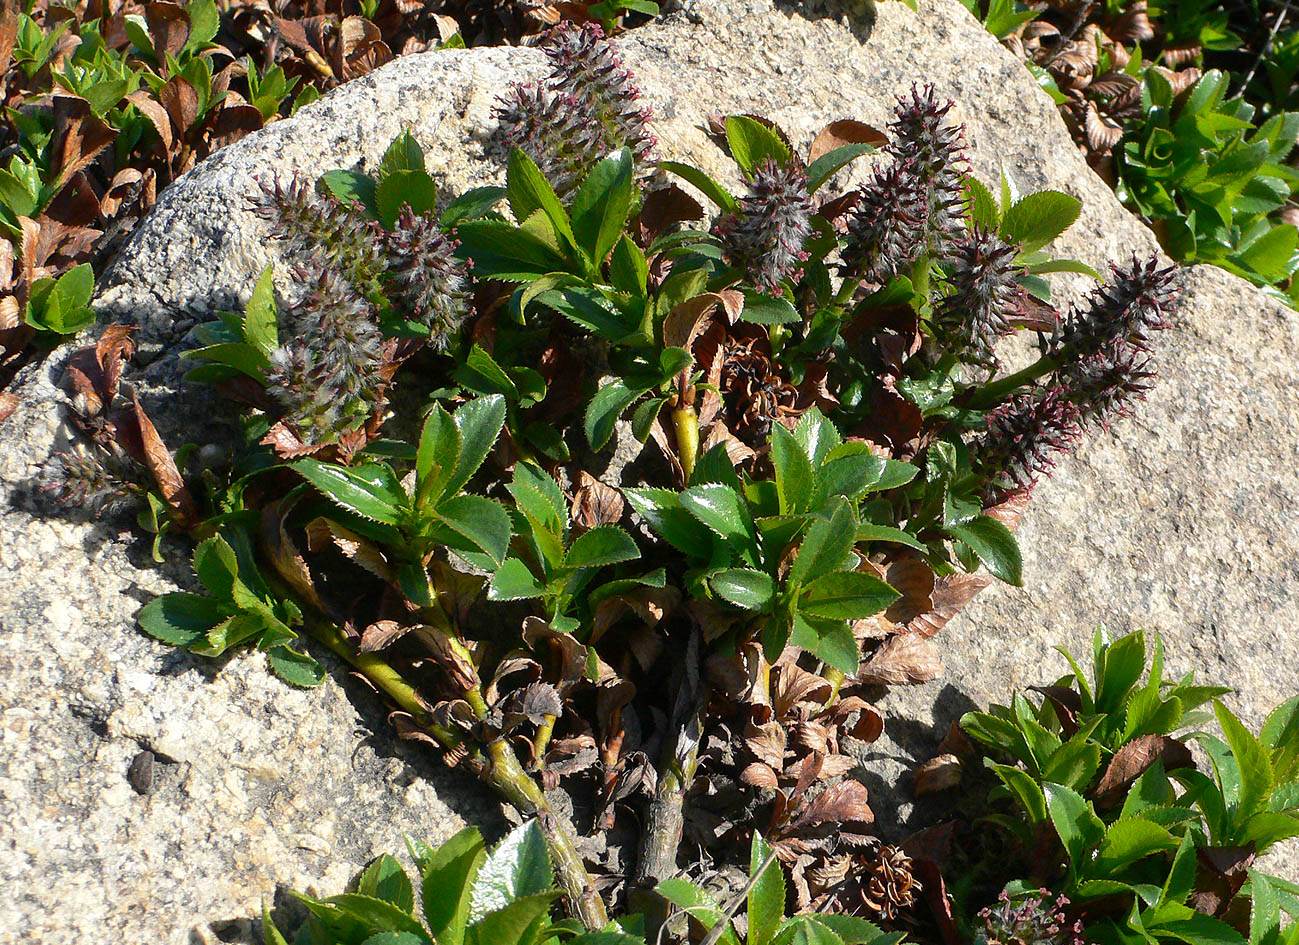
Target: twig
(717, 931)
(1267, 44)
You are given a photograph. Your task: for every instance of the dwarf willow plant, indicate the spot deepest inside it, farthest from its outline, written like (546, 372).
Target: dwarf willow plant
(659, 437)
(1105, 804)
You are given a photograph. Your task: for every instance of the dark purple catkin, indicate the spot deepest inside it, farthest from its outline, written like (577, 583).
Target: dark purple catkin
(94, 480)
(1033, 920)
(765, 236)
(886, 229)
(323, 233)
(1023, 438)
(1103, 349)
(327, 374)
(587, 107)
(934, 150)
(427, 282)
(983, 293)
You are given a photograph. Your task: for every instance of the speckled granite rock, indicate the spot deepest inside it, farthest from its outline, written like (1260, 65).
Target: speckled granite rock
(1185, 524)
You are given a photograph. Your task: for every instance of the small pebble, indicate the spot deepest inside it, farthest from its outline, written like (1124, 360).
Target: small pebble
(140, 774)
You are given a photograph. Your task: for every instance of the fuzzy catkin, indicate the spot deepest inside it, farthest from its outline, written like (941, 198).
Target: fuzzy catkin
(425, 278)
(982, 295)
(765, 236)
(586, 108)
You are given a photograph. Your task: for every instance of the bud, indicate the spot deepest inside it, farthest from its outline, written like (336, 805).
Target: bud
(765, 236)
(1140, 300)
(935, 153)
(886, 230)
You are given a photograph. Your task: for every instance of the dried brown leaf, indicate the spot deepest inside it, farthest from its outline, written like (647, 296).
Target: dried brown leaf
(78, 136)
(845, 802)
(951, 593)
(905, 660)
(759, 775)
(1132, 760)
(8, 404)
(152, 109)
(380, 634)
(158, 460)
(838, 134)
(595, 503)
(937, 774)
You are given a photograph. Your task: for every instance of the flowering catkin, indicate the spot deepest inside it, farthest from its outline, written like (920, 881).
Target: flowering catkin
(1023, 437)
(586, 108)
(426, 281)
(765, 236)
(983, 293)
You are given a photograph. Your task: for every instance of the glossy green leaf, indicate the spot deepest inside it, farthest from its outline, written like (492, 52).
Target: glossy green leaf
(414, 189)
(602, 545)
(518, 867)
(360, 490)
(722, 510)
(606, 407)
(385, 879)
(752, 142)
(830, 163)
(846, 595)
(831, 641)
(528, 191)
(180, 619)
(295, 667)
(602, 203)
(447, 877)
(766, 900)
(483, 522)
(479, 421)
(995, 545)
(1039, 218)
(1080, 830)
(744, 587)
(705, 184)
(826, 546)
(795, 477)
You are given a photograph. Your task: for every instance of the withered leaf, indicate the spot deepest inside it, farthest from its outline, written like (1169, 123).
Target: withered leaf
(80, 136)
(667, 207)
(759, 775)
(595, 503)
(913, 578)
(937, 774)
(951, 593)
(380, 634)
(907, 659)
(152, 109)
(168, 27)
(846, 131)
(534, 702)
(845, 802)
(8, 404)
(1132, 760)
(180, 100)
(157, 458)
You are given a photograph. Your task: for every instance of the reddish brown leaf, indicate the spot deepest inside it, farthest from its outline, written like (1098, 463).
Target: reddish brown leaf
(759, 775)
(1132, 760)
(180, 100)
(837, 134)
(905, 660)
(951, 593)
(1220, 873)
(912, 577)
(8, 404)
(937, 774)
(845, 802)
(78, 135)
(168, 27)
(667, 207)
(158, 460)
(595, 503)
(152, 109)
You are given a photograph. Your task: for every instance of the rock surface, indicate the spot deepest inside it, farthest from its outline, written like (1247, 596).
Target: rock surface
(1184, 524)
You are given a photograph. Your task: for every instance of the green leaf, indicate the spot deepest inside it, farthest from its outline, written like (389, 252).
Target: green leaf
(483, 522)
(983, 206)
(447, 882)
(628, 268)
(294, 667)
(896, 473)
(1025, 788)
(1039, 218)
(851, 470)
(404, 188)
(261, 324)
(752, 142)
(180, 619)
(528, 191)
(471, 205)
(359, 489)
(504, 251)
(378, 915)
(404, 154)
(744, 587)
(763, 309)
(480, 421)
(1252, 759)
(830, 163)
(1270, 254)
(1127, 841)
(806, 930)
(204, 21)
(517, 868)
(829, 641)
(602, 203)
(1080, 830)
(767, 897)
(723, 510)
(513, 580)
(602, 545)
(385, 879)
(396, 938)
(697, 903)
(608, 404)
(827, 544)
(513, 923)
(702, 182)
(995, 545)
(868, 532)
(270, 933)
(1280, 735)
(795, 478)
(438, 453)
(846, 595)
(351, 187)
